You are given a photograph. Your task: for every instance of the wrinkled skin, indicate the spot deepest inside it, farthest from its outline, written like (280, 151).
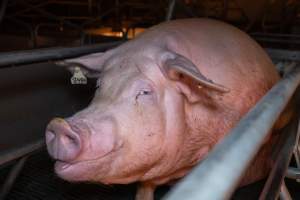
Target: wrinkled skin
(150, 125)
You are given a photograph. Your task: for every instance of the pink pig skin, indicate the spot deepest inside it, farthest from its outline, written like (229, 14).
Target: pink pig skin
(146, 124)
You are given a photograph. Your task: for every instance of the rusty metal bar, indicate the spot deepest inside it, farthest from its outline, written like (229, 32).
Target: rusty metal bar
(219, 174)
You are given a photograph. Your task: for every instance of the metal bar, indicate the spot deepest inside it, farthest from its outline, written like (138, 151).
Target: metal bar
(278, 40)
(225, 9)
(28, 9)
(16, 153)
(286, 145)
(293, 173)
(90, 6)
(284, 193)
(275, 35)
(219, 174)
(3, 9)
(98, 18)
(40, 55)
(281, 54)
(75, 3)
(13, 174)
(28, 27)
(170, 10)
(52, 16)
(186, 8)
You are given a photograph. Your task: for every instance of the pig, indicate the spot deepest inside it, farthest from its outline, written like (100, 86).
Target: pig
(163, 100)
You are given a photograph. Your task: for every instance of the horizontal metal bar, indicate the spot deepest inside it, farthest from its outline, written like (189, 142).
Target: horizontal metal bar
(14, 154)
(41, 55)
(281, 54)
(278, 40)
(293, 173)
(219, 174)
(277, 35)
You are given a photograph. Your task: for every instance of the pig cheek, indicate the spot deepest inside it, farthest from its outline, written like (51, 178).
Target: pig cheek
(153, 129)
(101, 144)
(143, 138)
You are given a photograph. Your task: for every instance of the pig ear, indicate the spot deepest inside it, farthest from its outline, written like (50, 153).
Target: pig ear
(90, 65)
(175, 66)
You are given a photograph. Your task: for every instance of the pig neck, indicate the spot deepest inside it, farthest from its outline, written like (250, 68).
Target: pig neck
(219, 125)
(206, 125)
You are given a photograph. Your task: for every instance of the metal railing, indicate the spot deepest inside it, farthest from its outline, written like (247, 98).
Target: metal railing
(47, 54)
(219, 174)
(231, 157)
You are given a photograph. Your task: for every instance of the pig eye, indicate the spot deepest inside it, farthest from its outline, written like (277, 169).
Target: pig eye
(143, 93)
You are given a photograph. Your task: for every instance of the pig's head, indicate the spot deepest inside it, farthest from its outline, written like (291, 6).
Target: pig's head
(135, 126)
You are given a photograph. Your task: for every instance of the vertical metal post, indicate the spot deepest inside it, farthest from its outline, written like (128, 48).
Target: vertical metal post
(284, 192)
(3, 9)
(170, 10)
(90, 6)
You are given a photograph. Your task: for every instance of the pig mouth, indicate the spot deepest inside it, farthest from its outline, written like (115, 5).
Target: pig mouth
(67, 169)
(63, 165)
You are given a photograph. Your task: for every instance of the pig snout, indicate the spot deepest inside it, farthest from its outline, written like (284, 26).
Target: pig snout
(63, 143)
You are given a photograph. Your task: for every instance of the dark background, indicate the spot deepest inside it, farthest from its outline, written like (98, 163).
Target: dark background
(28, 24)
(30, 95)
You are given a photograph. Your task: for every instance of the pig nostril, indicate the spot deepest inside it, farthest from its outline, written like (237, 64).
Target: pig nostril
(71, 139)
(62, 142)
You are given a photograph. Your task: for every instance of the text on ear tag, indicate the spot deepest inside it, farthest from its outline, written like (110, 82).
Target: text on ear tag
(78, 77)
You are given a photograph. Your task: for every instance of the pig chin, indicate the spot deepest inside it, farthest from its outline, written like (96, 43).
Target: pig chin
(89, 168)
(92, 170)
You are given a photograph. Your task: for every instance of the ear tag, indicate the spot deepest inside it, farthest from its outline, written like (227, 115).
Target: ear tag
(78, 77)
